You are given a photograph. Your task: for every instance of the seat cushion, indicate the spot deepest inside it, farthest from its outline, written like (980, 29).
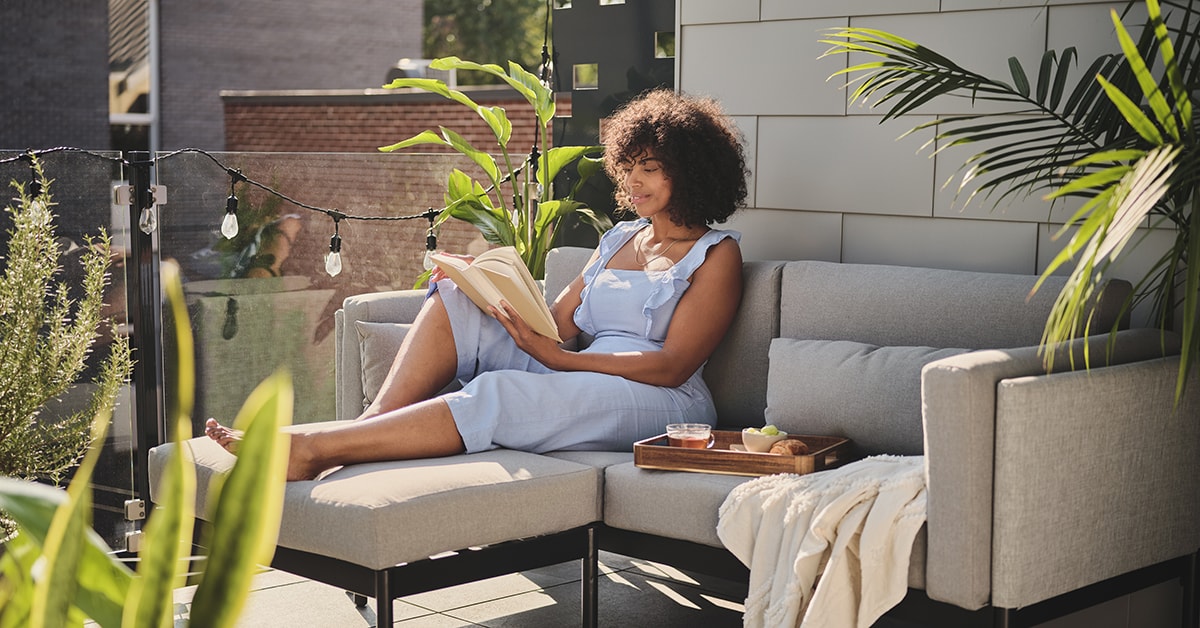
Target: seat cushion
(381, 514)
(684, 505)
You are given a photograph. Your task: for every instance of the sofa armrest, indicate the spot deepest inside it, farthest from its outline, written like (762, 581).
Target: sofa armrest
(960, 397)
(397, 306)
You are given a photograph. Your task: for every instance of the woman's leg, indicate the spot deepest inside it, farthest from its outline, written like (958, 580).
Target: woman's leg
(424, 365)
(404, 421)
(421, 430)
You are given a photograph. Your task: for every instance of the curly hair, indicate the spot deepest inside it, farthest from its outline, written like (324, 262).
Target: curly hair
(700, 149)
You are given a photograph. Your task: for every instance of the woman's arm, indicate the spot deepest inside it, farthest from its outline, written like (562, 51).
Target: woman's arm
(699, 323)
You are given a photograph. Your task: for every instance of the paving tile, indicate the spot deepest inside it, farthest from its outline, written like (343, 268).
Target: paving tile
(626, 598)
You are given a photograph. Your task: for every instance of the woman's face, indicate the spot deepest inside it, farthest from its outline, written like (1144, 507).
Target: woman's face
(647, 184)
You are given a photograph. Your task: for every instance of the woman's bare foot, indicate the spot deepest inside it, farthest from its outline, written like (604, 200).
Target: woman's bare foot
(302, 460)
(225, 437)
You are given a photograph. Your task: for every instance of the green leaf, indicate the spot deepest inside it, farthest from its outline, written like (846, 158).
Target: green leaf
(560, 157)
(434, 86)
(424, 137)
(1154, 96)
(482, 159)
(248, 505)
(495, 227)
(16, 585)
(1020, 81)
(1131, 112)
(168, 534)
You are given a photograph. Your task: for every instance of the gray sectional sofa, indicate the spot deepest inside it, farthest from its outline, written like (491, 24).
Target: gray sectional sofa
(1046, 492)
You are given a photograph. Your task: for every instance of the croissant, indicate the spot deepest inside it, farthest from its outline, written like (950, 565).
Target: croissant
(789, 447)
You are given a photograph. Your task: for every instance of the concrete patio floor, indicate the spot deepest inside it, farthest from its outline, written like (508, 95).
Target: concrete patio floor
(632, 593)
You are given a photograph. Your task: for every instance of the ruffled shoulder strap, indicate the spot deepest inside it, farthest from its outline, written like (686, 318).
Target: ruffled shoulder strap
(610, 243)
(675, 279)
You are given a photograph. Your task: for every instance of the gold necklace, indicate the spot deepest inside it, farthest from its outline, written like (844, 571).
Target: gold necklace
(643, 261)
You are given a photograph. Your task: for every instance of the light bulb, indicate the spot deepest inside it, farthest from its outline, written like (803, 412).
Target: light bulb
(333, 263)
(148, 221)
(428, 261)
(229, 226)
(333, 259)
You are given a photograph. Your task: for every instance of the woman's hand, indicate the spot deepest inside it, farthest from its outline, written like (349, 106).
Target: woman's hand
(539, 347)
(436, 274)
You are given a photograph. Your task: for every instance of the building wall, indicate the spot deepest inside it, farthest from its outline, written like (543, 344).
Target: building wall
(54, 75)
(829, 180)
(214, 45)
(354, 122)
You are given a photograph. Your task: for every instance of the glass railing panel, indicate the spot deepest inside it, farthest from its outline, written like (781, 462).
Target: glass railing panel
(81, 189)
(263, 300)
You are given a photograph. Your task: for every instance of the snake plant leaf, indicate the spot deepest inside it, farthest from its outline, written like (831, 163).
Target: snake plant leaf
(168, 534)
(248, 505)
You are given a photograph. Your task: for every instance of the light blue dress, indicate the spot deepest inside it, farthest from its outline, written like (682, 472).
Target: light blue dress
(510, 400)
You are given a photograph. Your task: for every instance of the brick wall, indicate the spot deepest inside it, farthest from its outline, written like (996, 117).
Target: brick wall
(406, 182)
(355, 123)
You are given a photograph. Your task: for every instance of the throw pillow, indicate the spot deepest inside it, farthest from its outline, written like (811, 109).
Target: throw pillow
(378, 344)
(869, 394)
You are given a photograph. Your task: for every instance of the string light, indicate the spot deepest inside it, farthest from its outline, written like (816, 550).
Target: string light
(148, 219)
(229, 226)
(430, 241)
(333, 259)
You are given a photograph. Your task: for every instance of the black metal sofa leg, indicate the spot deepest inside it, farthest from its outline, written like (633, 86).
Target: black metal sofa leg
(1191, 592)
(590, 583)
(383, 599)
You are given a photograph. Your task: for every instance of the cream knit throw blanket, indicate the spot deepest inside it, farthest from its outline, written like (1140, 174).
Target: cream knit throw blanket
(827, 549)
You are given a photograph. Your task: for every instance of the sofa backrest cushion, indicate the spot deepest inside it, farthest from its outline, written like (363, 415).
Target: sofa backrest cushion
(869, 394)
(903, 306)
(736, 373)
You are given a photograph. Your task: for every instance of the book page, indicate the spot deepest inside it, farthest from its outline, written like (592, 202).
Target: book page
(529, 305)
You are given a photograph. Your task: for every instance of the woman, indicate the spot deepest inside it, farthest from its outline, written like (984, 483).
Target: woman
(658, 295)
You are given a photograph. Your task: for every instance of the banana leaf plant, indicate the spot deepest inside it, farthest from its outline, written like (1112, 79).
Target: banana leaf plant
(514, 204)
(57, 571)
(1120, 137)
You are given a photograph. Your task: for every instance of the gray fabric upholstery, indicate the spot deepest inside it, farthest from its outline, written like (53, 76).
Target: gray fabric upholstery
(958, 395)
(1055, 525)
(869, 394)
(983, 414)
(378, 344)
(901, 306)
(737, 371)
(397, 306)
(383, 514)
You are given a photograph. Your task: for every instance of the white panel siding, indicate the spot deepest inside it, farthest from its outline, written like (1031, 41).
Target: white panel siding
(844, 164)
(768, 68)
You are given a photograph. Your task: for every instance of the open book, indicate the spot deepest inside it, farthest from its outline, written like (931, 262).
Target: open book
(500, 274)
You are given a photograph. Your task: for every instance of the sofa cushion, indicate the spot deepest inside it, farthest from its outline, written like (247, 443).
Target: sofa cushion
(903, 306)
(378, 344)
(869, 394)
(382, 514)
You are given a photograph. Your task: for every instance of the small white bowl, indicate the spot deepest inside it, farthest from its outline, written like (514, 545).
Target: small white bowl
(761, 443)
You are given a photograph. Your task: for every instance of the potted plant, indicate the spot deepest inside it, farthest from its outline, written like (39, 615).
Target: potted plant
(1121, 136)
(514, 205)
(48, 328)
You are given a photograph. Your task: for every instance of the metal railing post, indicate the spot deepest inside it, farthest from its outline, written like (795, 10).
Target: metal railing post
(145, 316)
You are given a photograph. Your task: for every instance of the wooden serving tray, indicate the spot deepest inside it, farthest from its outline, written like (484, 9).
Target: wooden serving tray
(727, 457)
